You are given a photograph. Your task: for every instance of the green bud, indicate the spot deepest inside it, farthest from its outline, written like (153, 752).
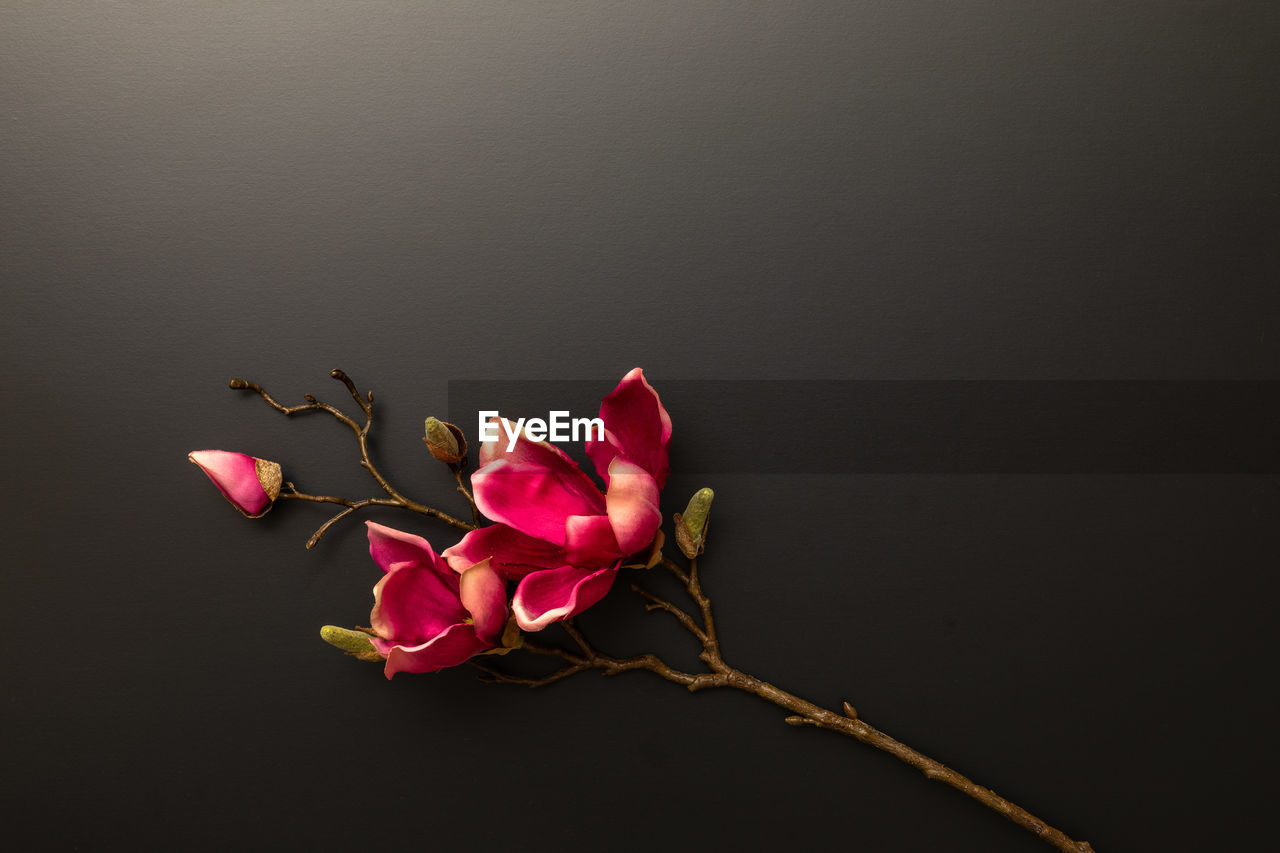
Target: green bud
(445, 441)
(697, 512)
(354, 643)
(691, 525)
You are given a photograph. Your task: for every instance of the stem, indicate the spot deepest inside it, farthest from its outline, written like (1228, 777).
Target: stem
(351, 506)
(592, 659)
(805, 713)
(711, 646)
(466, 493)
(656, 603)
(811, 714)
(361, 432)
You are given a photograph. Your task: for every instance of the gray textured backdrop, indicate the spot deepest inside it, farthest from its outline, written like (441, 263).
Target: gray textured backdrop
(425, 192)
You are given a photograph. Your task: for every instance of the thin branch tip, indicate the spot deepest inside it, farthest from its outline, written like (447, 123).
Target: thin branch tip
(494, 676)
(394, 498)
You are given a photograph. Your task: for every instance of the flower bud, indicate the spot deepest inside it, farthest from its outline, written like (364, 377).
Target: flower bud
(251, 484)
(445, 441)
(691, 526)
(354, 643)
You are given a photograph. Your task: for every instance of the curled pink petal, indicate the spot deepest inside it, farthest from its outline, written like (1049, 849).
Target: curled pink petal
(556, 594)
(637, 427)
(456, 644)
(413, 603)
(602, 452)
(589, 541)
(513, 554)
(535, 499)
(242, 479)
(632, 504)
(484, 595)
(389, 546)
(541, 454)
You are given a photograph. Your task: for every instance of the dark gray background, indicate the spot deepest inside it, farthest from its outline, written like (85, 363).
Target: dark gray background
(426, 192)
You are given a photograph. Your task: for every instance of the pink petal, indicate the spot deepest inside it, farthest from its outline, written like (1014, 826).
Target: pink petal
(454, 645)
(602, 452)
(633, 505)
(533, 498)
(637, 427)
(484, 595)
(589, 541)
(236, 476)
(539, 453)
(413, 603)
(513, 554)
(388, 546)
(555, 594)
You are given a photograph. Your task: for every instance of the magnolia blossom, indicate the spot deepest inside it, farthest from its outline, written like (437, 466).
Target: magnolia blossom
(251, 484)
(426, 615)
(557, 533)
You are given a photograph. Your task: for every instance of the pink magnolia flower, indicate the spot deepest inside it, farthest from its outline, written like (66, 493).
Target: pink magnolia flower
(557, 534)
(427, 615)
(251, 484)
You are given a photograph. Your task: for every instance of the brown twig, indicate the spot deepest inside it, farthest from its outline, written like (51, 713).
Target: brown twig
(576, 635)
(711, 648)
(466, 493)
(361, 432)
(494, 676)
(656, 603)
(807, 713)
(803, 712)
(351, 506)
(592, 659)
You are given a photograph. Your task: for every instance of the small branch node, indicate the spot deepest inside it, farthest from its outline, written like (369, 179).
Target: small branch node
(342, 377)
